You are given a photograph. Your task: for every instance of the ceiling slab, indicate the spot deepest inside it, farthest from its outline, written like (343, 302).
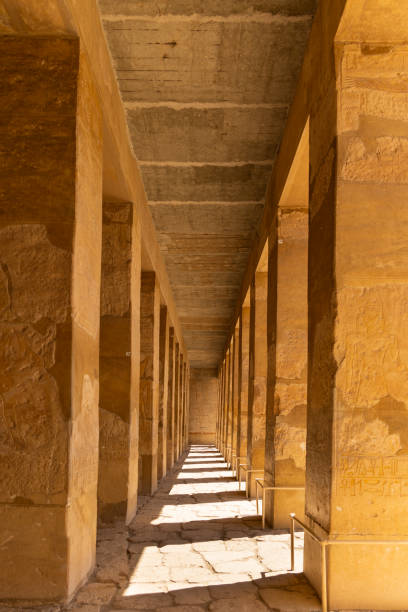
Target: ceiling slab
(206, 85)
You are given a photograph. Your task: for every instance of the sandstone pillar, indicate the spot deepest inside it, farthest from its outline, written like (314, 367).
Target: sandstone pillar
(163, 392)
(176, 400)
(119, 379)
(50, 260)
(149, 382)
(184, 407)
(285, 451)
(217, 429)
(236, 396)
(285, 457)
(257, 376)
(357, 445)
(170, 400)
(180, 406)
(227, 401)
(188, 413)
(244, 378)
(222, 408)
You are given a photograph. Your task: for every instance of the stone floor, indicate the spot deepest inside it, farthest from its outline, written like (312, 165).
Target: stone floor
(196, 545)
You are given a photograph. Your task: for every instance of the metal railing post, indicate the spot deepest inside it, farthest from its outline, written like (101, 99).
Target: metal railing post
(324, 576)
(292, 542)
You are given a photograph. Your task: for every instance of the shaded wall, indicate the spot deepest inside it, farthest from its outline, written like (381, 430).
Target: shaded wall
(203, 405)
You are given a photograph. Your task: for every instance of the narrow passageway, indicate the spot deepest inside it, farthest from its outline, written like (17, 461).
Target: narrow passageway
(197, 544)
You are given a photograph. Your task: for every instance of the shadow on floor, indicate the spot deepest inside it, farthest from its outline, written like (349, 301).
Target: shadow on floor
(195, 545)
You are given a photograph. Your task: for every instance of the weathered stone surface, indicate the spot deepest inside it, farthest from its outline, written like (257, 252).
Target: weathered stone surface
(96, 593)
(51, 176)
(257, 377)
(356, 468)
(163, 392)
(149, 382)
(170, 446)
(285, 460)
(206, 100)
(301, 598)
(117, 486)
(203, 406)
(207, 7)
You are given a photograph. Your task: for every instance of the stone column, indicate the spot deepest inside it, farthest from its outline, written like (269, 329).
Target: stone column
(176, 400)
(180, 405)
(187, 435)
(50, 261)
(170, 400)
(227, 400)
(257, 376)
(285, 454)
(149, 382)
(163, 392)
(118, 415)
(219, 406)
(184, 407)
(357, 445)
(236, 395)
(244, 375)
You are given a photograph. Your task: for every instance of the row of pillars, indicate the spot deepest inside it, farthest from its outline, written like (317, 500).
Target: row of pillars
(140, 353)
(313, 385)
(93, 379)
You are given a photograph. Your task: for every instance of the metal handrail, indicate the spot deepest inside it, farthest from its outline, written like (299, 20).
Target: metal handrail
(324, 545)
(242, 466)
(248, 471)
(269, 488)
(236, 464)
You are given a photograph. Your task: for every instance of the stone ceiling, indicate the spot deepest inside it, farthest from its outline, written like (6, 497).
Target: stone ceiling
(206, 85)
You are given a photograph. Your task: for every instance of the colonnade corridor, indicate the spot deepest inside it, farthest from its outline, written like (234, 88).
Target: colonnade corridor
(195, 545)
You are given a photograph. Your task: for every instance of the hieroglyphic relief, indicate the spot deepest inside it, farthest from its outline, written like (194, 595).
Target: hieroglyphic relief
(381, 476)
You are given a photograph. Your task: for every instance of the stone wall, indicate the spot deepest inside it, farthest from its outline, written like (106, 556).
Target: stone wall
(203, 405)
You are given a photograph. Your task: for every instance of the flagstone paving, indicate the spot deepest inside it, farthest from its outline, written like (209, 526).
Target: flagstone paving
(196, 545)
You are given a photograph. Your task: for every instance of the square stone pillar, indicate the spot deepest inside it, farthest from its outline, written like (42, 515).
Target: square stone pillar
(183, 426)
(244, 379)
(50, 262)
(119, 363)
(176, 400)
(163, 392)
(257, 376)
(170, 400)
(285, 451)
(357, 444)
(221, 408)
(236, 395)
(149, 382)
(187, 426)
(180, 405)
(227, 400)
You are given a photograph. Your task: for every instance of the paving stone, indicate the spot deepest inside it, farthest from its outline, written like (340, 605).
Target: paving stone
(226, 556)
(189, 559)
(195, 547)
(150, 574)
(199, 595)
(230, 590)
(193, 574)
(82, 608)
(291, 601)
(214, 545)
(247, 604)
(151, 601)
(183, 609)
(96, 593)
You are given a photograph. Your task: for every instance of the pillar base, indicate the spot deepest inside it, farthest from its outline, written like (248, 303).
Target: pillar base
(360, 576)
